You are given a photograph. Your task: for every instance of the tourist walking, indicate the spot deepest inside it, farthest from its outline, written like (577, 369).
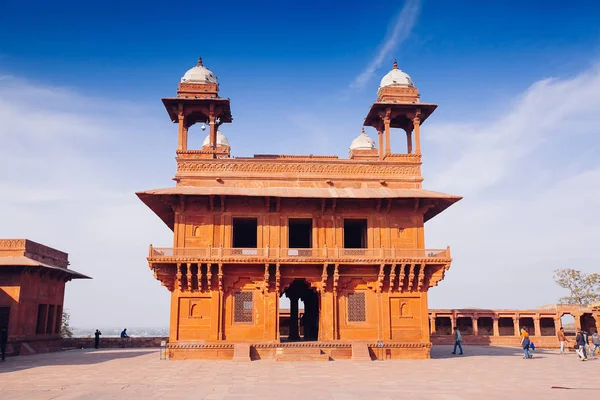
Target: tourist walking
(586, 339)
(457, 341)
(525, 342)
(3, 341)
(580, 345)
(97, 338)
(562, 338)
(596, 343)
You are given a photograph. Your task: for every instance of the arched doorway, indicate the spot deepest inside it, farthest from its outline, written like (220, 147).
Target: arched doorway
(299, 290)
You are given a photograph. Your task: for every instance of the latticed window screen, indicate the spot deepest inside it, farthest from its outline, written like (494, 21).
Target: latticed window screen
(356, 307)
(242, 307)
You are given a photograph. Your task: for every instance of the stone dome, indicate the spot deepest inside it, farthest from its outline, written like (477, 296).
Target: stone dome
(221, 140)
(362, 142)
(396, 77)
(199, 74)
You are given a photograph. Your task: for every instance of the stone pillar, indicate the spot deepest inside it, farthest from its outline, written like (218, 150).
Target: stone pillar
(432, 322)
(417, 129)
(577, 318)
(294, 335)
(496, 327)
(386, 123)
(557, 324)
(537, 330)
(475, 320)
(181, 142)
(381, 149)
(516, 325)
(409, 141)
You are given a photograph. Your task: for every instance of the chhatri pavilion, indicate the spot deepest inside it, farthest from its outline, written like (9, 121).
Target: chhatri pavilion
(343, 236)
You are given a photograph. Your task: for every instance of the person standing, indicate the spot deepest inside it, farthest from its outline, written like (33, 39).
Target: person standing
(3, 341)
(97, 338)
(525, 342)
(457, 341)
(595, 342)
(580, 345)
(562, 338)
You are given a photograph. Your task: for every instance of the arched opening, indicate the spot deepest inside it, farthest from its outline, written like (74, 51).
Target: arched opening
(506, 326)
(527, 323)
(300, 323)
(443, 326)
(485, 326)
(465, 325)
(196, 136)
(568, 323)
(588, 323)
(547, 326)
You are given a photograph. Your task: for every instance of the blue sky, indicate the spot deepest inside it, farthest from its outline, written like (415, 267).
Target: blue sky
(515, 132)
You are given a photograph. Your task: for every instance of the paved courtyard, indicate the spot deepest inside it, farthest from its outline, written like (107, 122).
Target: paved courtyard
(482, 373)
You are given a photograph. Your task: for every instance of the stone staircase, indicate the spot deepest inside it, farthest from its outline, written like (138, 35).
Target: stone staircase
(300, 354)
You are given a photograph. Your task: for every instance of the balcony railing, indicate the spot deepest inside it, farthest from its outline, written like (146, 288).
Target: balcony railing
(278, 253)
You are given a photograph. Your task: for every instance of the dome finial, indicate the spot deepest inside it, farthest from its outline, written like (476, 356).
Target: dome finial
(199, 61)
(363, 131)
(395, 64)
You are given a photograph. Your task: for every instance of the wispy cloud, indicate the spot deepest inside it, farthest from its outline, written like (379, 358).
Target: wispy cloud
(402, 26)
(531, 181)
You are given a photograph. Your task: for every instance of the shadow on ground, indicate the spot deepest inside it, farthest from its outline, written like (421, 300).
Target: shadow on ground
(71, 357)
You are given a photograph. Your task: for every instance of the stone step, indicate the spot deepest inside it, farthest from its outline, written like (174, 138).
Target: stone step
(302, 357)
(298, 350)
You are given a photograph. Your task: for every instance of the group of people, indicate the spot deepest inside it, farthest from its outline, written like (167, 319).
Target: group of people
(582, 343)
(98, 333)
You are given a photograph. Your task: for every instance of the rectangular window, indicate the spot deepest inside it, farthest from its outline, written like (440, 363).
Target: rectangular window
(356, 307)
(58, 322)
(50, 319)
(4, 317)
(355, 233)
(245, 233)
(300, 233)
(242, 307)
(41, 319)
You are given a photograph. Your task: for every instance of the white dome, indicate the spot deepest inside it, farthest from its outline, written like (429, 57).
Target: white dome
(221, 140)
(199, 74)
(363, 142)
(396, 77)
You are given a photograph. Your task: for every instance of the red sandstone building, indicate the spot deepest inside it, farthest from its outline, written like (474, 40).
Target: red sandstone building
(32, 291)
(501, 327)
(344, 236)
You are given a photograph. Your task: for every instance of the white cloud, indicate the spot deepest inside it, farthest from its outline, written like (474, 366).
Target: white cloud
(531, 181)
(69, 168)
(402, 26)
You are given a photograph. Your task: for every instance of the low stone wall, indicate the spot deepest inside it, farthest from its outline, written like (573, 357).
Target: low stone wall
(113, 342)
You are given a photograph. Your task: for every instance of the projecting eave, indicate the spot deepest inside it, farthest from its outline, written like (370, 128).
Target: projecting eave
(400, 111)
(26, 262)
(198, 108)
(158, 200)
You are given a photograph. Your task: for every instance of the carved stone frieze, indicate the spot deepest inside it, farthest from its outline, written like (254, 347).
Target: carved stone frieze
(308, 168)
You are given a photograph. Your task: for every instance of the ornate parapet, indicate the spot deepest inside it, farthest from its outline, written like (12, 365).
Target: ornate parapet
(34, 251)
(405, 168)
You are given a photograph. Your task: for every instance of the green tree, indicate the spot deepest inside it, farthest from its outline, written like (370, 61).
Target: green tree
(583, 288)
(65, 329)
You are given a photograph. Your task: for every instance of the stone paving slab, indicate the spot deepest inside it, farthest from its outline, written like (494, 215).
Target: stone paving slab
(482, 373)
